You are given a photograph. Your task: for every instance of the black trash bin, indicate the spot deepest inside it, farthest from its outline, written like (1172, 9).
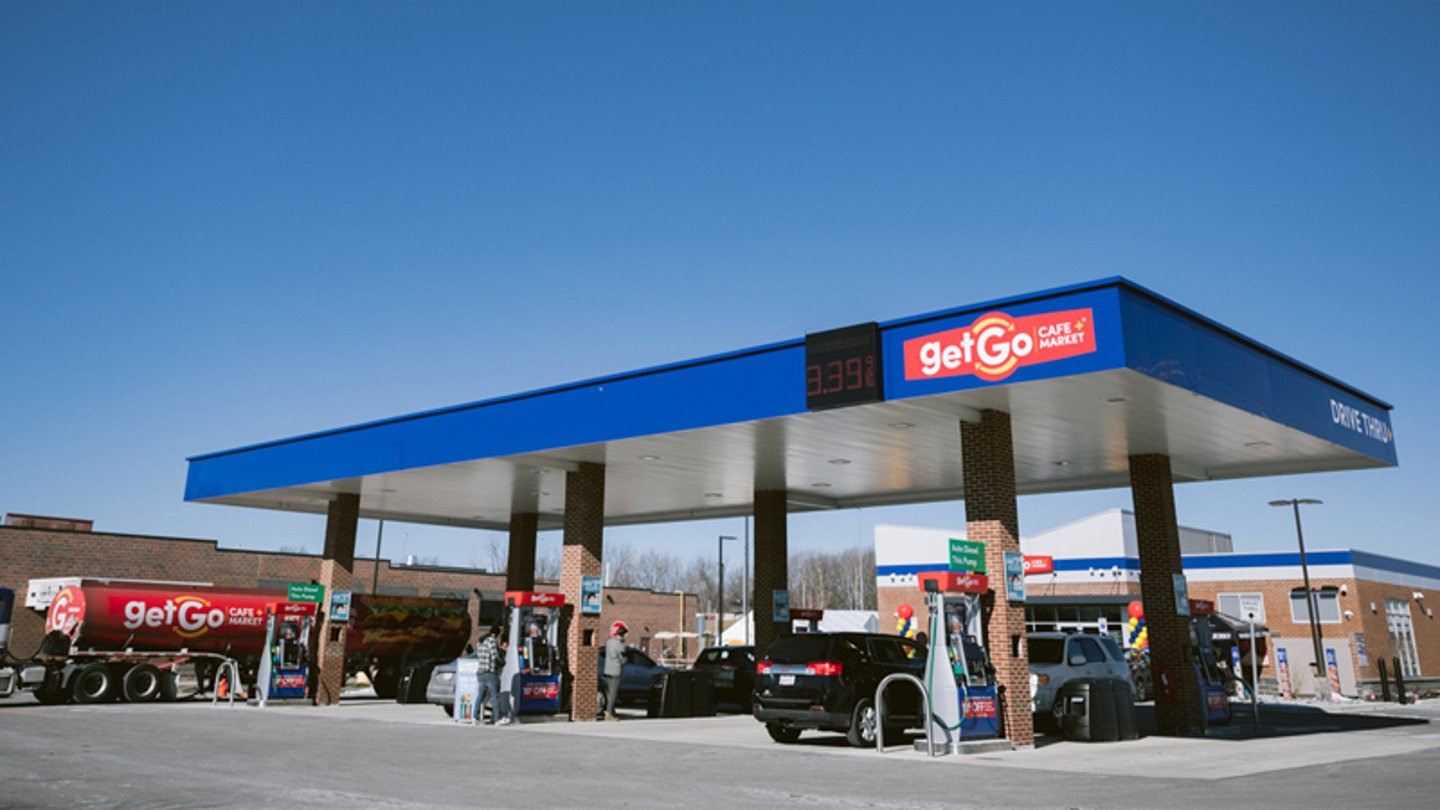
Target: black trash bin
(414, 683)
(1089, 712)
(670, 695)
(1125, 710)
(702, 695)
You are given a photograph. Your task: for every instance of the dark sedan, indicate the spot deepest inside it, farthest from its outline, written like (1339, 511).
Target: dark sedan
(640, 671)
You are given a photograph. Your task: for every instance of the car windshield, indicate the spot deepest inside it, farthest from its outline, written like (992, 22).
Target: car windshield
(1111, 647)
(800, 649)
(718, 656)
(1047, 650)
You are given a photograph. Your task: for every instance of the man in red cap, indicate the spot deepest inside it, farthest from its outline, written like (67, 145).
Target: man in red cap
(614, 668)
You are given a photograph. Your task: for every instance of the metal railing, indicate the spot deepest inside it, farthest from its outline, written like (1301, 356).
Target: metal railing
(232, 672)
(880, 710)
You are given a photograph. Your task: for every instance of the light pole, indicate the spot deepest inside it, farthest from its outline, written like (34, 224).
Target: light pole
(375, 577)
(680, 627)
(720, 593)
(1310, 601)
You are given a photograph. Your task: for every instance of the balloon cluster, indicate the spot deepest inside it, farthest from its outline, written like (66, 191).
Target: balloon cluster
(905, 626)
(1139, 637)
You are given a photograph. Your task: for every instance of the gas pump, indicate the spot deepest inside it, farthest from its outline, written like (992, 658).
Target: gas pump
(290, 653)
(955, 630)
(806, 620)
(1212, 679)
(531, 678)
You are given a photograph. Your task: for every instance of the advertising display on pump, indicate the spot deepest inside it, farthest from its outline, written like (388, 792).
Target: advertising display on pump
(531, 679)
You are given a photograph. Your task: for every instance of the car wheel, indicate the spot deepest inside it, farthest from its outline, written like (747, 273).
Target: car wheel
(782, 734)
(449, 710)
(386, 682)
(862, 726)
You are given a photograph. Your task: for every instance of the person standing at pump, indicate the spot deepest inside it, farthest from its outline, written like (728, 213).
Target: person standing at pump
(487, 656)
(614, 668)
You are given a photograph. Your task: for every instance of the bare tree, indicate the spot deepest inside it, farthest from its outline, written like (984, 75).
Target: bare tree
(547, 564)
(492, 555)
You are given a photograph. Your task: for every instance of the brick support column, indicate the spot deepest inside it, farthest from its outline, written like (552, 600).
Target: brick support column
(1178, 711)
(520, 562)
(992, 517)
(584, 535)
(337, 571)
(772, 558)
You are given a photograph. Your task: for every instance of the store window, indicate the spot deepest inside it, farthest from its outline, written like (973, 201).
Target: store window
(1402, 636)
(1240, 604)
(1327, 602)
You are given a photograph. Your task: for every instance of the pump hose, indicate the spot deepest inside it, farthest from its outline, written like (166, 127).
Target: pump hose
(929, 683)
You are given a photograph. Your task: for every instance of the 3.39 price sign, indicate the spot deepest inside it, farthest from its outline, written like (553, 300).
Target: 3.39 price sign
(842, 367)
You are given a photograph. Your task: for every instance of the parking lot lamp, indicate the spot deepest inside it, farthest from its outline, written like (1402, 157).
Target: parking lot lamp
(680, 626)
(1310, 600)
(720, 593)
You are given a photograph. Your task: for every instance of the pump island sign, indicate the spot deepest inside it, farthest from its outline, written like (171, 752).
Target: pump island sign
(996, 344)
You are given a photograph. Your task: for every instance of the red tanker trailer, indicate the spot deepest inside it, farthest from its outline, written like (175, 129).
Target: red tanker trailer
(117, 639)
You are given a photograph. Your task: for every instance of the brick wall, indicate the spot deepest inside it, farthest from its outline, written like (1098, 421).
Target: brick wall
(584, 535)
(771, 565)
(1178, 710)
(992, 517)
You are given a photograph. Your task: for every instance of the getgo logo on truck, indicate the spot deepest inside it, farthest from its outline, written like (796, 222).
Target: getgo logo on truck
(996, 344)
(190, 616)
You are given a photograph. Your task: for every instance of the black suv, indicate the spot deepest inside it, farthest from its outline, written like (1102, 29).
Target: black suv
(827, 681)
(732, 670)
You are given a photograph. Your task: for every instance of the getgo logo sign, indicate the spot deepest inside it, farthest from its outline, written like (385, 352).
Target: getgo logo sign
(189, 616)
(996, 344)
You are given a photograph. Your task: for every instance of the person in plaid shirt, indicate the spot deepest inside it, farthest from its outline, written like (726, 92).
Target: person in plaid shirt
(487, 655)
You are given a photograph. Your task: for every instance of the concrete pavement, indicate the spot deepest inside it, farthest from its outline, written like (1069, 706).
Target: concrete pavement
(381, 754)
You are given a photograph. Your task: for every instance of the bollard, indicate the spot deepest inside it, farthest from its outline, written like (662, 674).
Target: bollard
(1384, 680)
(1399, 681)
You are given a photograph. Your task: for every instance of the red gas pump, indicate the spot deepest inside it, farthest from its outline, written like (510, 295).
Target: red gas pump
(806, 620)
(531, 678)
(979, 709)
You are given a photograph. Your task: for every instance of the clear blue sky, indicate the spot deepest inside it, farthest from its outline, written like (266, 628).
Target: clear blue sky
(222, 223)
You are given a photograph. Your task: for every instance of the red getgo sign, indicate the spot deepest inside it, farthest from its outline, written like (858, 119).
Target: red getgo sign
(1039, 564)
(996, 344)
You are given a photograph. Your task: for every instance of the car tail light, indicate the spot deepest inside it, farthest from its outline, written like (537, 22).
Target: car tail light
(763, 667)
(822, 668)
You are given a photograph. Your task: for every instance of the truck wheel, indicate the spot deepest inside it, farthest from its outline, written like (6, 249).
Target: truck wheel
(53, 690)
(141, 684)
(93, 683)
(386, 682)
(862, 726)
(782, 734)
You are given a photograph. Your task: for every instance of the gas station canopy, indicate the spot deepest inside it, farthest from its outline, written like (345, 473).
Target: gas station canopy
(863, 416)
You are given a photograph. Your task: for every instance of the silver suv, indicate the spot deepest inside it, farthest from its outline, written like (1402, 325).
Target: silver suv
(1058, 658)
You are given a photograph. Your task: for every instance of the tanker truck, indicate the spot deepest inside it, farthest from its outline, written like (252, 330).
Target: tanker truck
(109, 639)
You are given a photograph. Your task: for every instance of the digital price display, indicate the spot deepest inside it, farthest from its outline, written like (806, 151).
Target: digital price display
(842, 367)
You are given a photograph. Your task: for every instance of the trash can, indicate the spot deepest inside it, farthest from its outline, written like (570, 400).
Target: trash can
(414, 683)
(1089, 712)
(670, 695)
(1125, 710)
(702, 694)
